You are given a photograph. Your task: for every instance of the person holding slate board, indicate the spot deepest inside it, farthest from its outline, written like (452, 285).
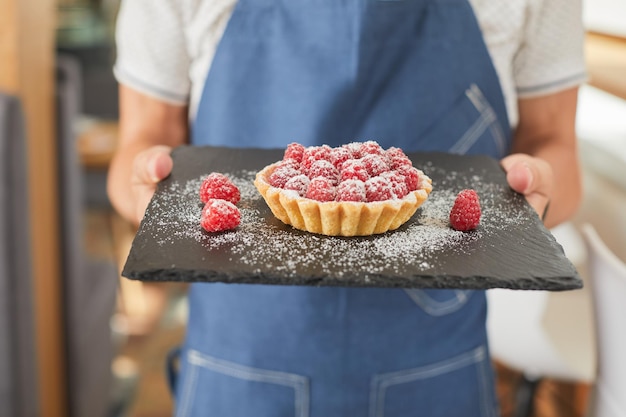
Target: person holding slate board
(421, 75)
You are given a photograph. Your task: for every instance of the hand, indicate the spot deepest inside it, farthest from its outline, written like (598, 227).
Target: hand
(532, 177)
(149, 167)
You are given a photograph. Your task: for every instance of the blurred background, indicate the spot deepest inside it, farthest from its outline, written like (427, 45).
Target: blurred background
(78, 340)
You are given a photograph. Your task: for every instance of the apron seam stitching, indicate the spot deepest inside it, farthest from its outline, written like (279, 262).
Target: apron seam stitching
(381, 382)
(298, 383)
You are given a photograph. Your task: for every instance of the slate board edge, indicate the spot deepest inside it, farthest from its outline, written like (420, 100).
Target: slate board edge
(468, 283)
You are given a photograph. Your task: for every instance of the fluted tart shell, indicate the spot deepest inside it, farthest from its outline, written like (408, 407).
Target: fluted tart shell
(340, 218)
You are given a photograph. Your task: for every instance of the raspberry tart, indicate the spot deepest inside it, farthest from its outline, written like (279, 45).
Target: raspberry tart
(358, 189)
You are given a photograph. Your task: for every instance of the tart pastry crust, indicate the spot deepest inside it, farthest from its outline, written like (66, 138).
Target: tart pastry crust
(340, 218)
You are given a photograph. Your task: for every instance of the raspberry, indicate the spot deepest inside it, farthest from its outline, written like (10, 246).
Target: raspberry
(314, 153)
(294, 151)
(351, 190)
(321, 189)
(288, 163)
(281, 175)
(340, 155)
(397, 158)
(378, 189)
(354, 169)
(394, 152)
(375, 164)
(217, 185)
(352, 172)
(219, 215)
(370, 148)
(399, 189)
(411, 176)
(465, 213)
(398, 183)
(354, 148)
(398, 162)
(299, 183)
(323, 168)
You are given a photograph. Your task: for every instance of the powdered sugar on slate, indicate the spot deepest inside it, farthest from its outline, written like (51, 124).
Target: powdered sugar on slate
(257, 242)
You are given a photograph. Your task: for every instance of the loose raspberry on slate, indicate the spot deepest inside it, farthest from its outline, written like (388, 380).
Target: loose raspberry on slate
(294, 151)
(219, 215)
(465, 213)
(378, 189)
(281, 175)
(217, 185)
(299, 183)
(321, 189)
(354, 169)
(323, 168)
(351, 190)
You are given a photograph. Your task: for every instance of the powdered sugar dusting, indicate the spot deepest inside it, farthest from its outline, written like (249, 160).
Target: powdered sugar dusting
(260, 239)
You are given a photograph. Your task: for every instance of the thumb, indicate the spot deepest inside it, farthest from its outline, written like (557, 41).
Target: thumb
(520, 176)
(531, 177)
(152, 165)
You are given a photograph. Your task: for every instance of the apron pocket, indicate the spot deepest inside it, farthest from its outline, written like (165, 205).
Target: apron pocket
(458, 386)
(470, 126)
(216, 387)
(439, 302)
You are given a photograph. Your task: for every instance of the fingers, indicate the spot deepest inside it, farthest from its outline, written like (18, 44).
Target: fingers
(152, 165)
(149, 167)
(531, 177)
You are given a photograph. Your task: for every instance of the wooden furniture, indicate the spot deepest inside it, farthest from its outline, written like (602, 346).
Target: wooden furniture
(27, 36)
(606, 63)
(97, 142)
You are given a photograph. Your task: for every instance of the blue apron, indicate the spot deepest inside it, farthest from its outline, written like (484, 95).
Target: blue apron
(408, 73)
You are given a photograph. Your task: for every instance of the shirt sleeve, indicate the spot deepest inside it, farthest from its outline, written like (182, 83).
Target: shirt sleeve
(551, 57)
(151, 49)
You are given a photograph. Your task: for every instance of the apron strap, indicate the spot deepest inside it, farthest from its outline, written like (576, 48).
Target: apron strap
(172, 364)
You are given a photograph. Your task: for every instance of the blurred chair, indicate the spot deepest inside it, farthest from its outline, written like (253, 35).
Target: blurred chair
(543, 334)
(18, 374)
(608, 283)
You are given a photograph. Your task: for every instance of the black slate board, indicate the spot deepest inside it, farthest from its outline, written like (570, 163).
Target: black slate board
(510, 249)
